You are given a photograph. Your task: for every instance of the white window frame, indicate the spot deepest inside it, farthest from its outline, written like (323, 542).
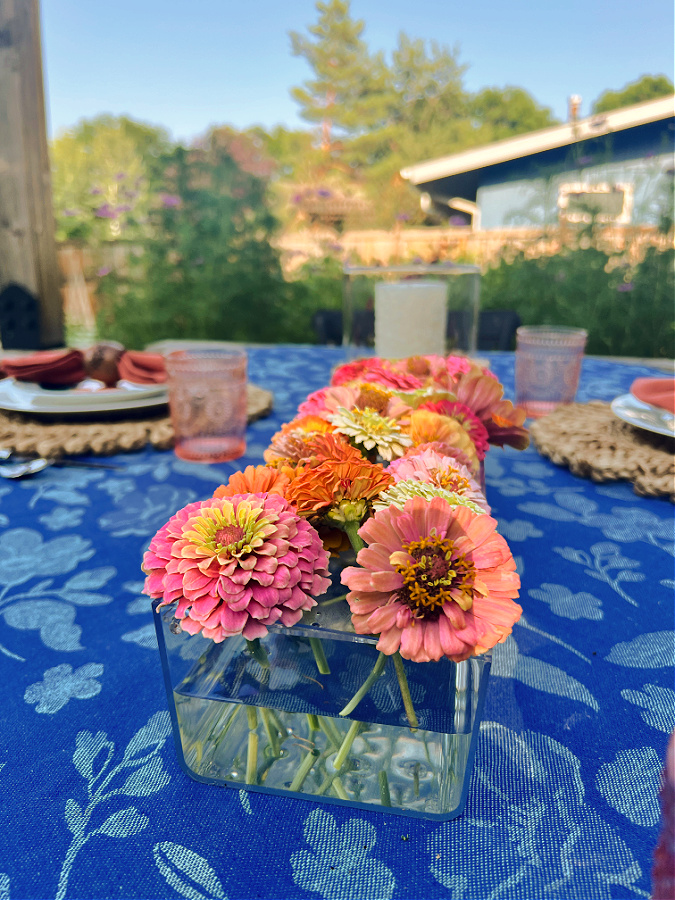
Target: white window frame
(603, 187)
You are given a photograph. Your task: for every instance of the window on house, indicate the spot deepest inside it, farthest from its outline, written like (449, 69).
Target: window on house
(605, 203)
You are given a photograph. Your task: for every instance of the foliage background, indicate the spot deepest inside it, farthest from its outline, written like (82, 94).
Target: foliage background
(185, 237)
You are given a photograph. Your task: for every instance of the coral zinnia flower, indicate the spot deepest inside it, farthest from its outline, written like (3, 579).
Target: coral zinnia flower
(288, 445)
(337, 491)
(357, 395)
(372, 431)
(432, 468)
(376, 371)
(426, 426)
(442, 449)
(254, 480)
(434, 581)
(466, 418)
(236, 565)
(482, 393)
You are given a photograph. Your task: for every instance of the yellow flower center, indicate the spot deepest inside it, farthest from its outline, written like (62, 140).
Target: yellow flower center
(453, 481)
(434, 574)
(373, 398)
(226, 532)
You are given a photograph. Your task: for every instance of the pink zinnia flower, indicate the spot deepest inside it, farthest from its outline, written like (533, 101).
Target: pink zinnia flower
(443, 449)
(434, 581)
(442, 471)
(482, 393)
(376, 371)
(477, 431)
(236, 565)
(359, 395)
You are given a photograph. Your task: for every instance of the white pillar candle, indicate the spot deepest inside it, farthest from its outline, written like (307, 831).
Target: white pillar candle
(410, 318)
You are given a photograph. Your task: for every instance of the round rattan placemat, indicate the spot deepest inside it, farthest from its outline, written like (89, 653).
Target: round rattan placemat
(62, 436)
(593, 443)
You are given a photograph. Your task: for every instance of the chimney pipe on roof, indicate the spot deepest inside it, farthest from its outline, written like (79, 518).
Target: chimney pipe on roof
(573, 108)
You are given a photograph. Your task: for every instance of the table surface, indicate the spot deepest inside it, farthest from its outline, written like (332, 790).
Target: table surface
(563, 800)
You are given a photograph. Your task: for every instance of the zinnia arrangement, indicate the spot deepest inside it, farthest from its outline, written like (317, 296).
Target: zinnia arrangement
(385, 462)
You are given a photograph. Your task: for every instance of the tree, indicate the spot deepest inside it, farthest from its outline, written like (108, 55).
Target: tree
(207, 268)
(100, 178)
(649, 87)
(499, 113)
(347, 91)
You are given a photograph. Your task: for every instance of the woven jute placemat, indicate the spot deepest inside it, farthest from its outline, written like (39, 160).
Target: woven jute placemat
(593, 443)
(66, 436)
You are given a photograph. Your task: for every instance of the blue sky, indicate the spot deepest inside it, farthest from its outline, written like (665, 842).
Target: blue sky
(189, 64)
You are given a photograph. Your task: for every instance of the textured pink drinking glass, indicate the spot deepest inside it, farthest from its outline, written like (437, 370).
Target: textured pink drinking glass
(548, 364)
(207, 401)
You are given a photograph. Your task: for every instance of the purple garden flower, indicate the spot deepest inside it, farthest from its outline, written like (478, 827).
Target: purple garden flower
(170, 201)
(323, 192)
(625, 286)
(103, 271)
(95, 191)
(105, 212)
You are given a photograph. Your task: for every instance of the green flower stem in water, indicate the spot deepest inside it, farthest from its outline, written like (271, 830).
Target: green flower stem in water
(332, 601)
(350, 737)
(405, 691)
(330, 731)
(313, 722)
(271, 730)
(319, 656)
(252, 753)
(378, 668)
(258, 652)
(352, 530)
(338, 787)
(304, 770)
(385, 798)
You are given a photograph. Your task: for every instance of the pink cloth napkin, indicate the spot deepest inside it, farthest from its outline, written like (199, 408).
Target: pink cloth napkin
(46, 367)
(655, 391)
(142, 367)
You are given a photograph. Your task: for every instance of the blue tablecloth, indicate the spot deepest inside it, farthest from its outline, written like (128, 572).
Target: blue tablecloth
(580, 703)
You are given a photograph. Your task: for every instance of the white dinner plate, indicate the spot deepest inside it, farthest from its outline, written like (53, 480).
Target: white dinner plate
(87, 397)
(644, 415)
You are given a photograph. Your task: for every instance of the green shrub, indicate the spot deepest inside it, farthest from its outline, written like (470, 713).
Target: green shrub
(627, 311)
(207, 269)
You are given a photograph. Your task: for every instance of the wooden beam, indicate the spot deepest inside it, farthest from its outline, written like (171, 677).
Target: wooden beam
(27, 243)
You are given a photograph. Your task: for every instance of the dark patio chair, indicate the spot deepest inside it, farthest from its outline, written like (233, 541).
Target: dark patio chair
(327, 325)
(497, 329)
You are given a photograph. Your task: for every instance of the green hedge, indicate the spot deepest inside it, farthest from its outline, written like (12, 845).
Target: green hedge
(627, 311)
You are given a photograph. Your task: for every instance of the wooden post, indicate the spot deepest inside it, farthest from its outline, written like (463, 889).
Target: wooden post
(27, 242)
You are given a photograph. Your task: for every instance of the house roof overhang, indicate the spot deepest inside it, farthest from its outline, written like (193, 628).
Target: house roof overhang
(459, 175)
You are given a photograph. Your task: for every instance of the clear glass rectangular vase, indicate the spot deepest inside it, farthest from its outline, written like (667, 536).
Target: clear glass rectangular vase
(277, 728)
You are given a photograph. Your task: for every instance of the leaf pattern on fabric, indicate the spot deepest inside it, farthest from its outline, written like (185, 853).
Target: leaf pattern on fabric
(653, 650)
(54, 621)
(564, 603)
(657, 703)
(630, 784)
(602, 559)
(145, 637)
(143, 775)
(507, 662)
(518, 530)
(61, 518)
(187, 872)
(4, 886)
(530, 819)
(143, 513)
(61, 684)
(24, 554)
(340, 863)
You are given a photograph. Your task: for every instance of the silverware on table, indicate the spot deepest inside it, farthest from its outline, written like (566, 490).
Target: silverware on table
(16, 465)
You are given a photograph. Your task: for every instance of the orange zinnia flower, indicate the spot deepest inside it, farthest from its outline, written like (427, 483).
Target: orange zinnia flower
(254, 480)
(288, 445)
(337, 491)
(427, 426)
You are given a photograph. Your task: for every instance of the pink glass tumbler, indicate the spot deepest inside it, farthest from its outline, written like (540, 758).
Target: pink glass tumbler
(548, 365)
(208, 404)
